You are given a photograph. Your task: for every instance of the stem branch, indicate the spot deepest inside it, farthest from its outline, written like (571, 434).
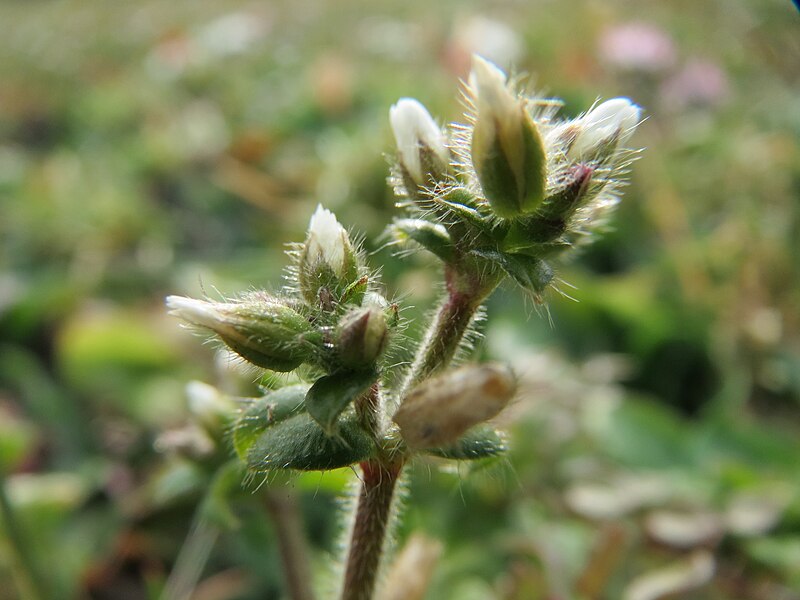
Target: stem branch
(292, 544)
(466, 291)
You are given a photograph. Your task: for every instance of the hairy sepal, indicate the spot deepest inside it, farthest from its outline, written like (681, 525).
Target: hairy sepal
(300, 443)
(265, 412)
(332, 394)
(479, 442)
(431, 236)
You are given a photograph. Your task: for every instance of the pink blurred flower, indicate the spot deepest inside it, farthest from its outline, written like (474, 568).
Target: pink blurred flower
(637, 47)
(698, 83)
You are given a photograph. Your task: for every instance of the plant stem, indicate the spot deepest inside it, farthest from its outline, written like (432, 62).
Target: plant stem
(466, 290)
(465, 293)
(28, 577)
(292, 544)
(368, 410)
(369, 529)
(191, 560)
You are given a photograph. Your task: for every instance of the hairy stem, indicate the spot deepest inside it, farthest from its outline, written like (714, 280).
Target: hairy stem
(26, 574)
(368, 410)
(370, 528)
(292, 544)
(465, 292)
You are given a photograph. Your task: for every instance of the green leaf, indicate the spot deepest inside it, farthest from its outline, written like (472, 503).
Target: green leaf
(429, 235)
(265, 412)
(300, 443)
(479, 442)
(528, 271)
(331, 394)
(531, 233)
(461, 203)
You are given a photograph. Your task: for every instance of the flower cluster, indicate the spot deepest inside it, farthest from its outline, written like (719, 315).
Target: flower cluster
(498, 196)
(331, 321)
(514, 186)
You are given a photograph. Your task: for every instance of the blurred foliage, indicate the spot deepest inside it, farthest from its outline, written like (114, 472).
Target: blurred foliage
(174, 147)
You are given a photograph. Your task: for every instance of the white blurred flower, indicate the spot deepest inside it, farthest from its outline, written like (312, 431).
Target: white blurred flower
(416, 134)
(611, 122)
(208, 405)
(490, 38)
(233, 33)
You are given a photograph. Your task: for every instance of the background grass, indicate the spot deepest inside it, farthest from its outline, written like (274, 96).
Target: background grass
(175, 147)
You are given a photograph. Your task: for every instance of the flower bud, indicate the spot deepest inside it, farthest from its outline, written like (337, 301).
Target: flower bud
(362, 336)
(258, 328)
(552, 218)
(438, 411)
(212, 409)
(507, 149)
(424, 156)
(604, 129)
(328, 261)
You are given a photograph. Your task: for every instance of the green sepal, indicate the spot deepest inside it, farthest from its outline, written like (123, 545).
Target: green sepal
(498, 182)
(265, 361)
(534, 168)
(361, 337)
(513, 185)
(479, 442)
(430, 236)
(528, 234)
(265, 412)
(331, 394)
(541, 233)
(530, 272)
(300, 443)
(461, 205)
(460, 199)
(322, 287)
(562, 204)
(354, 293)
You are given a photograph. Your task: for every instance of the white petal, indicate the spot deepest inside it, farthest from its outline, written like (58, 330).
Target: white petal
(201, 396)
(197, 312)
(327, 239)
(413, 125)
(489, 84)
(615, 117)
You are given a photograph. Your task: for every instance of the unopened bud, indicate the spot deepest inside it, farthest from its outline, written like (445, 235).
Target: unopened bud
(258, 328)
(328, 262)
(420, 142)
(552, 218)
(362, 336)
(603, 129)
(440, 410)
(507, 149)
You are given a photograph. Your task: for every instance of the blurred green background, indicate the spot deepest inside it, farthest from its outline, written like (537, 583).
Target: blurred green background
(159, 147)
